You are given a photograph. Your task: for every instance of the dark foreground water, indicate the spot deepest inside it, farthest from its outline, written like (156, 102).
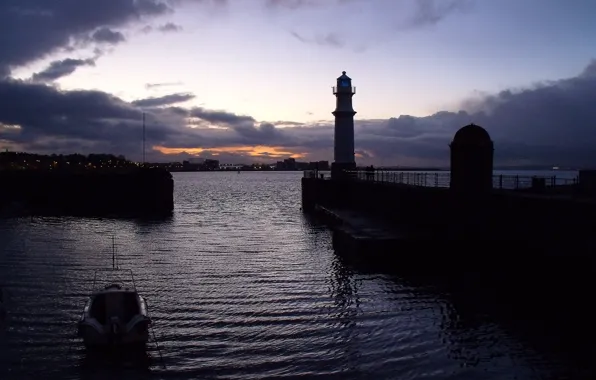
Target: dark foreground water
(242, 286)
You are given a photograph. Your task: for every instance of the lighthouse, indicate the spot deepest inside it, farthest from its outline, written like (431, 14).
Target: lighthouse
(343, 151)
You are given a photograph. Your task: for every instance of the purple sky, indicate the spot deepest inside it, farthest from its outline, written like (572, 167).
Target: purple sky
(250, 80)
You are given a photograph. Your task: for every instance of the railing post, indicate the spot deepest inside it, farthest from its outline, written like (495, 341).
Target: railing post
(517, 182)
(500, 181)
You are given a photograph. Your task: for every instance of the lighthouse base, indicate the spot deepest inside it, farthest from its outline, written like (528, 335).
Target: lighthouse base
(339, 169)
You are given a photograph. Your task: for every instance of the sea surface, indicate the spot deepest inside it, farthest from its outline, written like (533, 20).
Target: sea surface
(241, 285)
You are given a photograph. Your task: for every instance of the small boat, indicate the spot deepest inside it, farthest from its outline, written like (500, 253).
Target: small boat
(114, 316)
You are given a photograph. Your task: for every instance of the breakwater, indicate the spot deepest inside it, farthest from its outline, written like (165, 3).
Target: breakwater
(119, 192)
(445, 213)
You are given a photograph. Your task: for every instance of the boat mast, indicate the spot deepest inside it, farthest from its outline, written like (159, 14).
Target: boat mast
(143, 138)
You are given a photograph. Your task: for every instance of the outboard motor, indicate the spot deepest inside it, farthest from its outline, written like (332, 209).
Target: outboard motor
(115, 334)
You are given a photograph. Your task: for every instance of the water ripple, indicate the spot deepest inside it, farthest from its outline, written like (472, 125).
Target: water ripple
(240, 286)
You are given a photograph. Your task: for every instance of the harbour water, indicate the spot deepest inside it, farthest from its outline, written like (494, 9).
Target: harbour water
(241, 285)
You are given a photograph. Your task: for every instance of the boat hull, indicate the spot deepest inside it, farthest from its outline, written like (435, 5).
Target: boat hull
(95, 339)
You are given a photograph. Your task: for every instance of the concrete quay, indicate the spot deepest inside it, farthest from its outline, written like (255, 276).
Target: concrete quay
(354, 232)
(130, 192)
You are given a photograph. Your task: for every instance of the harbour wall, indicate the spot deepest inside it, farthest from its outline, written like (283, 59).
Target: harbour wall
(125, 192)
(444, 213)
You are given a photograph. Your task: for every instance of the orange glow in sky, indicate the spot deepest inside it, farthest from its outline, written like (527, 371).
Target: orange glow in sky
(252, 151)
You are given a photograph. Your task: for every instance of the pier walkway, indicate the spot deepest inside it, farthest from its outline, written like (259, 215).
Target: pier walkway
(355, 232)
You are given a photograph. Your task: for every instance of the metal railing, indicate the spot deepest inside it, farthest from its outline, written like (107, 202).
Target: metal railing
(443, 179)
(422, 179)
(321, 174)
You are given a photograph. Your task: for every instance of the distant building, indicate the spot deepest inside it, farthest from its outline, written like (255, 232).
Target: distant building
(230, 166)
(211, 164)
(318, 165)
(189, 166)
(290, 164)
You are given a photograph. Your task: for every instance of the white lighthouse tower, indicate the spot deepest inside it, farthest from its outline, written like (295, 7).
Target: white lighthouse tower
(343, 153)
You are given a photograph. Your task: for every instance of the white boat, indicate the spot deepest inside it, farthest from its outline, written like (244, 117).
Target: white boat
(115, 316)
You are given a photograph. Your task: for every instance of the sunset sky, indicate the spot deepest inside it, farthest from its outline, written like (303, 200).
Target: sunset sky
(250, 80)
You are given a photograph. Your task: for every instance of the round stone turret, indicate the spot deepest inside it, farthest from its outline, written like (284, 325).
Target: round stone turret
(472, 134)
(472, 160)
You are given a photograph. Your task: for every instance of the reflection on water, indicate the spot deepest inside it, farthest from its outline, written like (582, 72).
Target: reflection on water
(241, 285)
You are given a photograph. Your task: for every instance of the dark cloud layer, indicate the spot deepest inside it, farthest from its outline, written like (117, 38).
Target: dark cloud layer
(33, 29)
(548, 124)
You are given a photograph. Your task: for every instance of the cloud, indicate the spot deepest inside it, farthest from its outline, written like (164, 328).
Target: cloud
(34, 29)
(431, 12)
(297, 4)
(329, 39)
(402, 16)
(61, 68)
(163, 100)
(151, 86)
(169, 27)
(291, 4)
(590, 70)
(146, 29)
(220, 117)
(107, 35)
